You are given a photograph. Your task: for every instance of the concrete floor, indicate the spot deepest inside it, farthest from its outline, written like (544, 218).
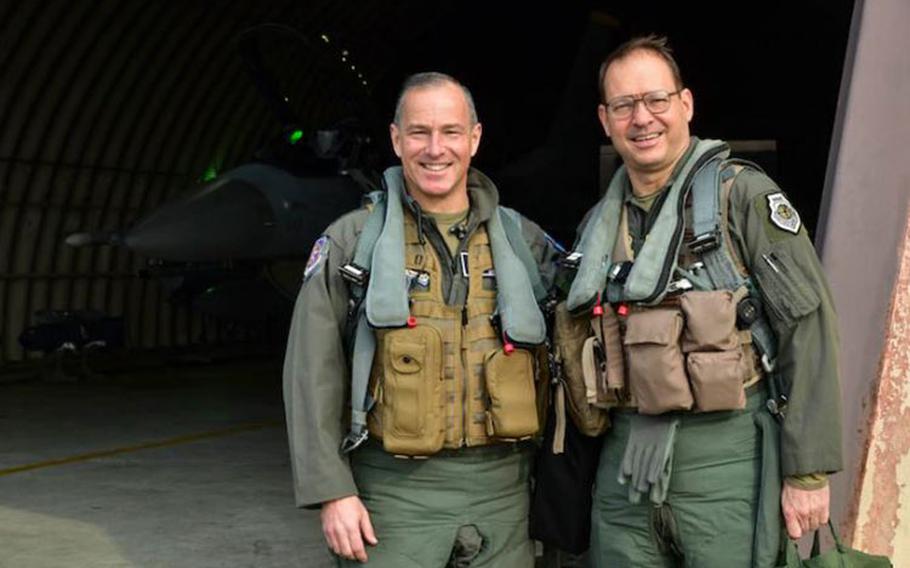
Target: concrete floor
(213, 490)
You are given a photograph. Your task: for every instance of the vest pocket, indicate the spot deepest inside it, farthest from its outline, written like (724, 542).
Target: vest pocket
(570, 335)
(513, 401)
(717, 379)
(710, 320)
(413, 398)
(716, 362)
(657, 375)
(784, 287)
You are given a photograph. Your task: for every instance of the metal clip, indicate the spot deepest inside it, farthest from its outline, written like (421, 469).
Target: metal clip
(704, 242)
(573, 259)
(354, 274)
(620, 271)
(680, 285)
(352, 441)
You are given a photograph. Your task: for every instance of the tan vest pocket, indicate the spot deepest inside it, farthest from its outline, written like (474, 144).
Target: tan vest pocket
(606, 329)
(413, 397)
(717, 379)
(513, 401)
(710, 320)
(657, 375)
(569, 336)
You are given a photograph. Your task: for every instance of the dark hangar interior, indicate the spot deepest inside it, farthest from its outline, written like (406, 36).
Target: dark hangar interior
(110, 110)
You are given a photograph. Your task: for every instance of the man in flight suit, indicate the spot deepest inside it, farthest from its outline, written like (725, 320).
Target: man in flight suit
(442, 479)
(714, 494)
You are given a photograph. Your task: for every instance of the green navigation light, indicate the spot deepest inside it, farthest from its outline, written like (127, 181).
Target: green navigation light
(295, 136)
(209, 174)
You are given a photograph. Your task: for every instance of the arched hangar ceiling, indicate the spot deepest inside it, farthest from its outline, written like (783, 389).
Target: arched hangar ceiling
(110, 108)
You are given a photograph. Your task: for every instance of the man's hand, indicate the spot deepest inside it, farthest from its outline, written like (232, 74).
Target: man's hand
(345, 524)
(804, 511)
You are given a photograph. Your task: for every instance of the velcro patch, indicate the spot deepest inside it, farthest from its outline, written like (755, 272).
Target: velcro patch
(317, 257)
(783, 214)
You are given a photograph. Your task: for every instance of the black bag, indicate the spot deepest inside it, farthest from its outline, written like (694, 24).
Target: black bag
(561, 500)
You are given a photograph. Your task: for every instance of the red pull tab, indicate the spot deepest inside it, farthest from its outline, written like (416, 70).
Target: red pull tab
(507, 347)
(412, 321)
(598, 309)
(623, 310)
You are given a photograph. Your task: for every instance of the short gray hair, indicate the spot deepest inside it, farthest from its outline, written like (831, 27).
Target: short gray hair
(432, 79)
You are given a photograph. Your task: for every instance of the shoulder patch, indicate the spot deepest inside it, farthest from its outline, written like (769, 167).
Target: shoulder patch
(783, 214)
(317, 257)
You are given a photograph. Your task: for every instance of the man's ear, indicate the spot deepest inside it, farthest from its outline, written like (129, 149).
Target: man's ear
(602, 115)
(476, 132)
(396, 140)
(688, 103)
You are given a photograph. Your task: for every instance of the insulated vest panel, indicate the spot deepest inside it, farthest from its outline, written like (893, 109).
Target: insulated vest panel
(467, 333)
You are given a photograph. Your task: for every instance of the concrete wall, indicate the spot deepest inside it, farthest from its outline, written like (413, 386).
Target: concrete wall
(863, 243)
(882, 523)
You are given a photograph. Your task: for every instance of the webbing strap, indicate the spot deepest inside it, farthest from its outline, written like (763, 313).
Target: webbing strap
(706, 223)
(707, 192)
(361, 401)
(706, 200)
(363, 346)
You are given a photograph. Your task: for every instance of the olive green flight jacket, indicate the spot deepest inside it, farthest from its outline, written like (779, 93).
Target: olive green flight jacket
(799, 306)
(317, 376)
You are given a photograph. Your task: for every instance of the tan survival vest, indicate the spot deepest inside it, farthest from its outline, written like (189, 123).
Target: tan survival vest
(445, 381)
(684, 353)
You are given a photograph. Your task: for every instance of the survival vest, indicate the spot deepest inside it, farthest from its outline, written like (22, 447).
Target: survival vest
(427, 375)
(645, 291)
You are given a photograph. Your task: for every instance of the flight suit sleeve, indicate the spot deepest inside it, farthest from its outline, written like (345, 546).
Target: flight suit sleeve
(316, 378)
(800, 309)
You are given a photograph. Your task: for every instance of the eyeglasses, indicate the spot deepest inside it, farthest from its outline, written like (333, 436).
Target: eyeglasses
(656, 102)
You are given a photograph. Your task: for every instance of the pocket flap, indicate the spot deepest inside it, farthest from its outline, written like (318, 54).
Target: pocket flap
(658, 326)
(407, 356)
(784, 287)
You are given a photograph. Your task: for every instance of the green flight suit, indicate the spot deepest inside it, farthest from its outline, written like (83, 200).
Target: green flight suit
(427, 505)
(709, 516)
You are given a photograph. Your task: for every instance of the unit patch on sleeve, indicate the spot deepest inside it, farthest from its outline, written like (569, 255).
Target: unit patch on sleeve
(783, 215)
(317, 257)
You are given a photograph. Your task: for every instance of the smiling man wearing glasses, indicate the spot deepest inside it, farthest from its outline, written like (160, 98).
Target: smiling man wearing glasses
(707, 336)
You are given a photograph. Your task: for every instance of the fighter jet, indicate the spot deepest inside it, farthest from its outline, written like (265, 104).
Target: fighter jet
(235, 246)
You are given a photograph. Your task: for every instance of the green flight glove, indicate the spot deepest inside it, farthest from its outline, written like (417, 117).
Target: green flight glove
(647, 461)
